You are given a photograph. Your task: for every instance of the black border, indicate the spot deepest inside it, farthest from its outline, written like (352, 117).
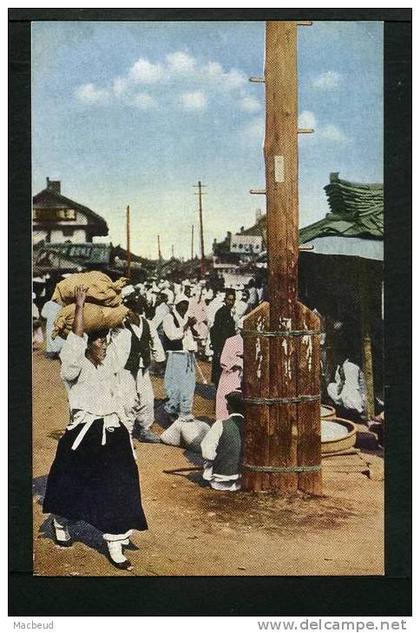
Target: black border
(258, 596)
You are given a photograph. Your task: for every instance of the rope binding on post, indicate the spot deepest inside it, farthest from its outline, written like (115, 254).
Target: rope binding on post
(291, 400)
(282, 469)
(282, 333)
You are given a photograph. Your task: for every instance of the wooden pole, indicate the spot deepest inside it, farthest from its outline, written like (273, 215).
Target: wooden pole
(192, 242)
(200, 215)
(282, 448)
(364, 284)
(128, 244)
(159, 251)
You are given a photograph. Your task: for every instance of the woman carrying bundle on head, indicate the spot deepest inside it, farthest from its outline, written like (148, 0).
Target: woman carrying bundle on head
(94, 476)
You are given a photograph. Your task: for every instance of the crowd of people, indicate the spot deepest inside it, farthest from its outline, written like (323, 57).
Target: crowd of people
(168, 329)
(108, 380)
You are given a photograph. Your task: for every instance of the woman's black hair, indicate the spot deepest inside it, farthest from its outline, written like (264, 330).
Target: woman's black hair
(93, 336)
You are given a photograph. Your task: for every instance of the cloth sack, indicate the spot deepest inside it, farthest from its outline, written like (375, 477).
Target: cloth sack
(95, 317)
(187, 433)
(101, 289)
(193, 433)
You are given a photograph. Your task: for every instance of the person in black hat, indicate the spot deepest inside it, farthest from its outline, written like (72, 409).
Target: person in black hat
(223, 327)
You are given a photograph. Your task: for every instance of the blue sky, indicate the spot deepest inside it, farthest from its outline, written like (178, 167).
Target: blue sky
(137, 112)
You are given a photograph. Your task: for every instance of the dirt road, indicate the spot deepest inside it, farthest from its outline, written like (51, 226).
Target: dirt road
(194, 530)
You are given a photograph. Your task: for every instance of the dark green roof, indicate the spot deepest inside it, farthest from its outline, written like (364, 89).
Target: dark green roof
(357, 210)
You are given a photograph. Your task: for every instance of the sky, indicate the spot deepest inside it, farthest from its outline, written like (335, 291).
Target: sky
(135, 113)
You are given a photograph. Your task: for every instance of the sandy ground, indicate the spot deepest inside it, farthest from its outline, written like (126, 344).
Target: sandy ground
(194, 530)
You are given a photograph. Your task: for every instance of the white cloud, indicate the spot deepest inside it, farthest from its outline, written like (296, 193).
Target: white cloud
(306, 119)
(327, 81)
(180, 62)
(88, 93)
(194, 100)
(120, 86)
(213, 70)
(250, 104)
(178, 71)
(333, 133)
(230, 80)
(144, 101)
(254, 129)
(235, 78)
(144, 72)
(327, 132)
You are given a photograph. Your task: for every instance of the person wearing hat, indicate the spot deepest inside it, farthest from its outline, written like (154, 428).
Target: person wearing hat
(162, 309)
(94, 476)
(139, 342)
(223, 327)
(221, 448)
(179, 343)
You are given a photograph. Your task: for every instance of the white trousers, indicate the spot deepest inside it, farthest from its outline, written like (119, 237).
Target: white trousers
(138, 398)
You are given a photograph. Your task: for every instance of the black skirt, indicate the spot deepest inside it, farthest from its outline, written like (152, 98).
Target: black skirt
(95, 483)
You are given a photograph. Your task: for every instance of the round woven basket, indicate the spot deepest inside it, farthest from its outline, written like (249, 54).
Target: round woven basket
(327, 412)
(342, 443)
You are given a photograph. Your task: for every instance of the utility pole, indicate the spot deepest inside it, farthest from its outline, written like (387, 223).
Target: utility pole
(173, 251)
(128, 243)
(192, 242)
(159, 251)
(200, 195)
(282, 440)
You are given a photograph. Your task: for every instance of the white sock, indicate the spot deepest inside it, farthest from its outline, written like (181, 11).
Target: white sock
(61, 531)
(115, 551)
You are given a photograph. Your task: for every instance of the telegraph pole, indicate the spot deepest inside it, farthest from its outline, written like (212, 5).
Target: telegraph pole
(128, 243)
(192, 242)
(159, 251)
(200, 195)
(173, 251)
(282, 443)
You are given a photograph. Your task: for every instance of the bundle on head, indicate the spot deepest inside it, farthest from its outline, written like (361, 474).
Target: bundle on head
(100, 289)
(95, 318)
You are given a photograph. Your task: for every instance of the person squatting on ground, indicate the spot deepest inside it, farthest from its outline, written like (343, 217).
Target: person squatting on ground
(138, 341)
(222, 447)
(180, 345)
(94, 476)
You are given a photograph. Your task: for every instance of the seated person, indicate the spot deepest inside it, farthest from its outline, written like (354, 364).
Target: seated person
(222, 447)
(348, 392)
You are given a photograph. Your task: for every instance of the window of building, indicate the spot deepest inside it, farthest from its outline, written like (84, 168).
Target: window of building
(67, 231)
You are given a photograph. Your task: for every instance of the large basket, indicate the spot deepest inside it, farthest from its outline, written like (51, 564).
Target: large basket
(342, 443)
(327, 412)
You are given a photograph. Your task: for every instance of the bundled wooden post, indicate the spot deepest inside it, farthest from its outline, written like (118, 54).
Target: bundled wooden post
(282, 443)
